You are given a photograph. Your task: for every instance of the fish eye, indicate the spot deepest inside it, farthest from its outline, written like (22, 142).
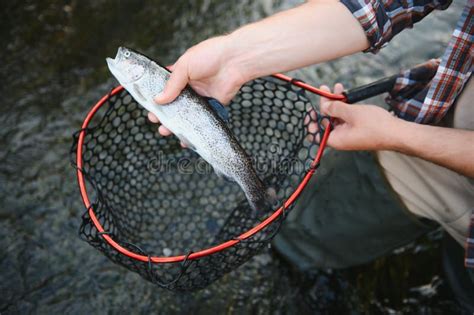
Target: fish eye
(126, 54)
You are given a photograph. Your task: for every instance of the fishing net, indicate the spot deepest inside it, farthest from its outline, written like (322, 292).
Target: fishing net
(160, 210)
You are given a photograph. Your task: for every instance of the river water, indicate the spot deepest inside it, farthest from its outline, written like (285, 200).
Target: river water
(53, 71)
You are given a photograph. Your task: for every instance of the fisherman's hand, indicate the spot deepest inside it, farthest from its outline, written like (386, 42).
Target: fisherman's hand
(208, 69)
(358, 127)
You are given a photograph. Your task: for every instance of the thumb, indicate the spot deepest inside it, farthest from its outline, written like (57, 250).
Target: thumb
(326, 89)
(176, 83)
(335, 109)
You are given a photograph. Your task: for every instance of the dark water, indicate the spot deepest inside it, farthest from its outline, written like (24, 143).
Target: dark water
(52, 70)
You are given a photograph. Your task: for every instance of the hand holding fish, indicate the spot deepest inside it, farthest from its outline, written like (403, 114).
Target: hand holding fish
(205, 68)
(208, 69)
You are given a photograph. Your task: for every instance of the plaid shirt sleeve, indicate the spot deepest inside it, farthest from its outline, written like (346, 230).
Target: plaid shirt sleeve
(383, 19)
(426, 93)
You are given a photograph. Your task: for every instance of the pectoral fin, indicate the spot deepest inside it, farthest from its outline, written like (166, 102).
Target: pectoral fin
(222, 175)
(186, 142)
(138, 93)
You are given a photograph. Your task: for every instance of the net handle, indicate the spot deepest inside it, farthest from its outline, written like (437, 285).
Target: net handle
(351, 96)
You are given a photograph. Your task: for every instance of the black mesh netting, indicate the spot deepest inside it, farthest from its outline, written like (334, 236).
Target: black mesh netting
(156, 199)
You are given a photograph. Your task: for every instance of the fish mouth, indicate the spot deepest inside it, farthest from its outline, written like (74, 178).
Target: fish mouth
(113, 61)
(110, 61)
(127, 66)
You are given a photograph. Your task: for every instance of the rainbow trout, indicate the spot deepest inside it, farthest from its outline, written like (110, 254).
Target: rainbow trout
(194, 122)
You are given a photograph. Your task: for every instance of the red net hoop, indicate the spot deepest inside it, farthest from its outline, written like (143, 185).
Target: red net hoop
(133, 213)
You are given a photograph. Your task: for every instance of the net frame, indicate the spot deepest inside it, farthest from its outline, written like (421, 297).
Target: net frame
(214, 249)
(133, 252)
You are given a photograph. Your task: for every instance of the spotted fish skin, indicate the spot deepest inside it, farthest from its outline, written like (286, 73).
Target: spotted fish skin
(194, 122)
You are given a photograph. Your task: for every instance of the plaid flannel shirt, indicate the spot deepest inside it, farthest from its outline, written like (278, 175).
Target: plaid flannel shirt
(423, 94)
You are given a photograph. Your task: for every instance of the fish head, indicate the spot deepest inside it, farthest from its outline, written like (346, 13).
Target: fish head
(128, 66)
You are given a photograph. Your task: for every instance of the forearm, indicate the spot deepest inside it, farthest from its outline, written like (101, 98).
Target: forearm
(311, 33)
(451, 148)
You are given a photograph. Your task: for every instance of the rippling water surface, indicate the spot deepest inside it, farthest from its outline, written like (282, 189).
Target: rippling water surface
(53, 70)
